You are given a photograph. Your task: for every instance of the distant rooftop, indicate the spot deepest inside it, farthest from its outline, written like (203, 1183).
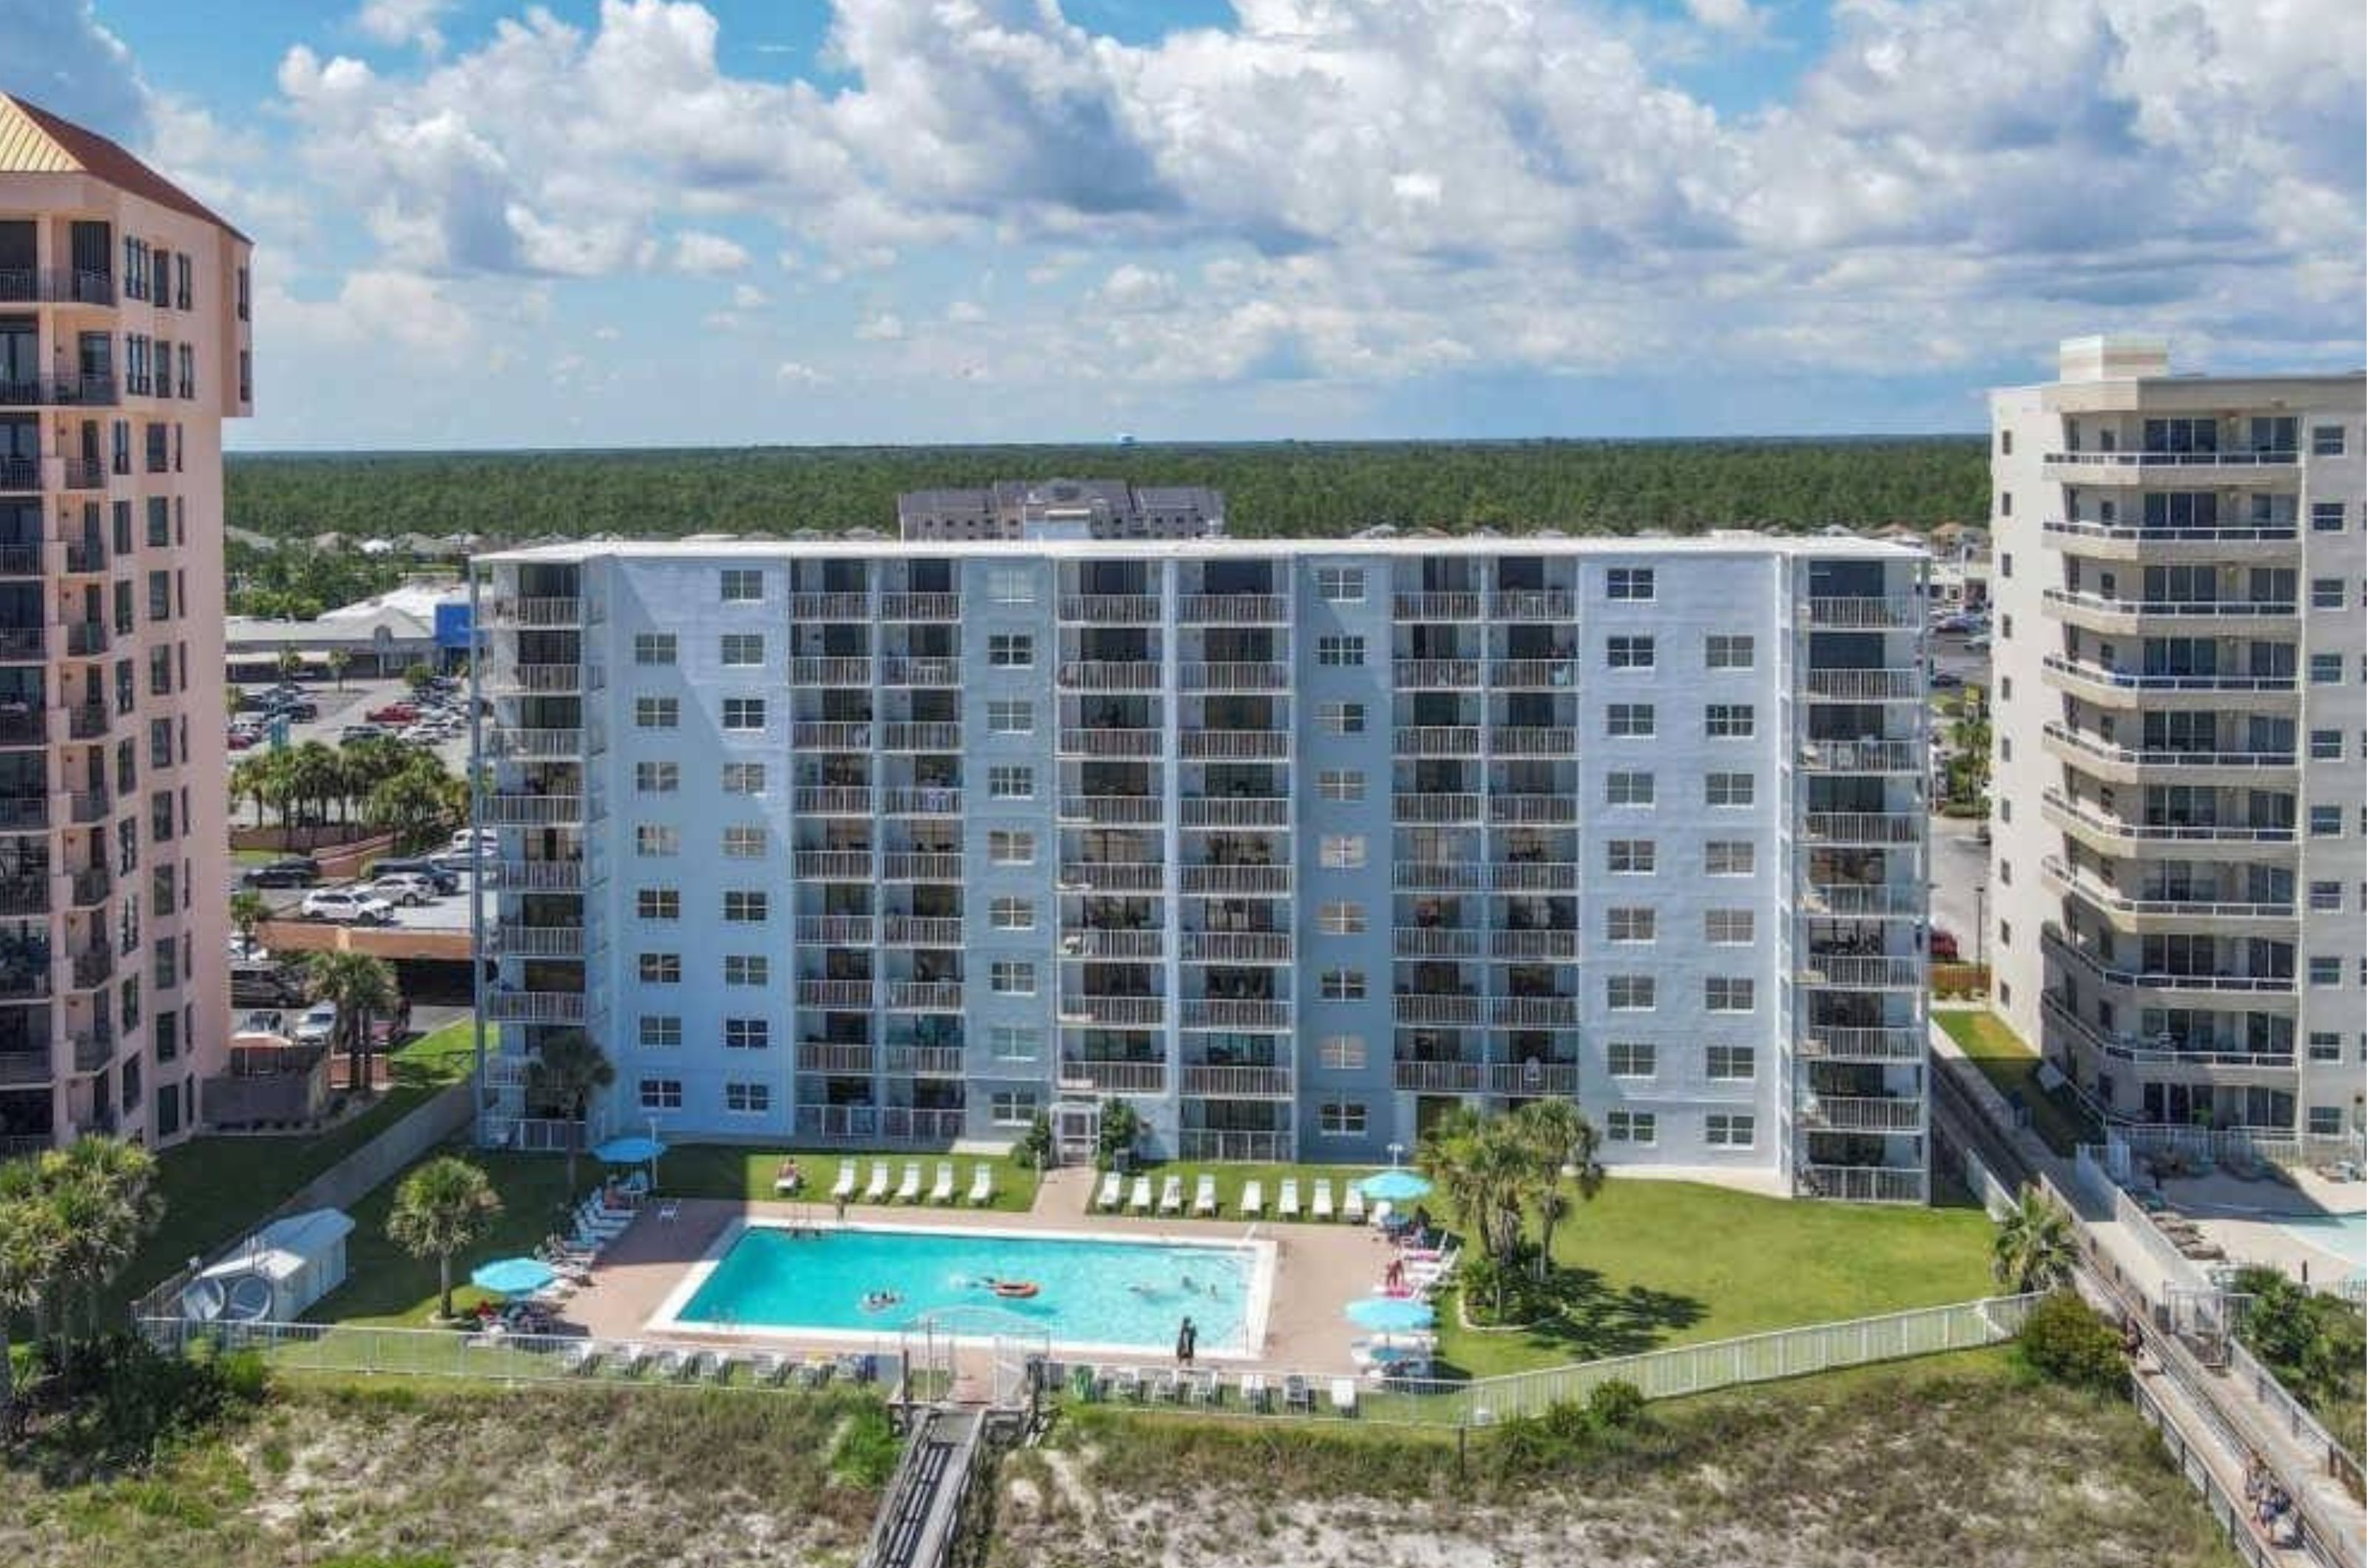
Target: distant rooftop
(35, 141)
(1062, 509)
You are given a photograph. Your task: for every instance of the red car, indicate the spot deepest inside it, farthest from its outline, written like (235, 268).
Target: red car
(1943, 947)
(241, 739)
(393, 713)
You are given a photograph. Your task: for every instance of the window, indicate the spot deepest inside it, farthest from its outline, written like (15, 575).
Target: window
(1626, 787)
(2326, 821)
(661, 1094)
(1732, 1130)
(747, 1099)
(1341, 584)
(743, 713)
(2325, 669)
(1730, 857)
(2325, 969)
(1011, 846)
(1011, 1107)
(2324, 1045)
(658, 903)
(1011, 650)
(1631, 857)
(1010, 585)
(1730, 789)
(1011, 978)
(1727, 927)
(656, 713)
(1013, 1042)
(1729, 993)
(1340, 718)
(2326, 441)
(660, 1031)
(744, 842)
(1729, 652)
(2325, 745)
(1631, 1127)
(744, 778)
(2326, 897)
(743, 585)
(742, 649)
(1343, 985)
(747, 1034)
(1340, 783)
(1010, 717)
(1340, 1118)
(1730, 721)
(747, 969)
(1343, 851)
(651, 839)
(1008, 914)
(661, 968)
(2326, 594)
(745, 905)
(1337, 652)
(1629, 925)
(1633, 1059)
(1629, 582)
(2326, 1121)
(657, 778)
(1342, 1052)
(2005, 504)
(1630, 721)
(1340, 918)
(1630, 993)
(2005, 563)
(1629, 653)
(1726, 1062)
(2326, 517)
(1010, 783)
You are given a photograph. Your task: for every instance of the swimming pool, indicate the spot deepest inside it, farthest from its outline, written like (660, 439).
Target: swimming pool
(2344, 1235)
(1094, 1292)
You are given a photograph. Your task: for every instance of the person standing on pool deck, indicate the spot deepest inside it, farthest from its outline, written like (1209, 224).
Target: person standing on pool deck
(1187, 1341)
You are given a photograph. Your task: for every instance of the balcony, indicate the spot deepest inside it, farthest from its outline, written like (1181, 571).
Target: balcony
(1837, 1043)
(1436, 674)
(1234, 745)
(832, 800)
(1438, 876)
(81, 558)
(832, 1056)
(1858, 972)
(836, 931)
(1413, 810)
(1110, 609)
(2226, 616)
(86, 806)
(1099, 942)
(20, 474)
(903, 865)
(1877, 900)
(1431, 1008)
(23, 644)
(25, 560)
(2128, 688)
(830, 606)
(83, 473)
(930, 800)
(539, 875)
(25, 893)
(1533, 674)
(93, 1050)
(1237, 947)
(1210, 1143)
(1532, 604)
(921, 735)
(1533, 876)
(831, 735)
(924, 995)
(1531, 741)
(1112, 1011)
(2236, 467)
(1112, 876)
(1869, 612)
(1113, 810)
(89, 721)
(22, 1068)
(1521, 1078)
(811, 671)
(2114, 836)
(1863, 1183)
(24, 813)
(1863, 826)
(1534, 1013)
(923, 930)
(1111, 743)
(1861, 1114)
(25, 978)
(1112, 676)
(923, 671)
(2125, 764)
(522, 810)
(86, 639)
(1233, 676)
(2106, 541)
(2211, 983)
(2166, 1058)
(1532, 810)
(88, 888)
(1232, 609)
(1437, 741)
(1236, 1083)
(1236, 1013)
(533, 614)
(1548, 944)
(832, 865)
(2160, 914)
(513, 941)
(1436, 941)
(61, 286)
(920, 606)
(835, 993)
(1234, 811)
(1864, 685)
(1435, 606)
(534, 679)
(1249, 881)
(925, 1061)
(506, 1006)
(1861, 757)
(527, 745)
(1105, 1077)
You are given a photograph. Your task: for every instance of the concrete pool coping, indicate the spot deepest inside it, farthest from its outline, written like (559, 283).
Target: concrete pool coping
(669, 1319)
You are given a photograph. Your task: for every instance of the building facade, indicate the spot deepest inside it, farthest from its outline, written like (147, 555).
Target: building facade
(1291, 845)
(123, 347)
(2177, 884)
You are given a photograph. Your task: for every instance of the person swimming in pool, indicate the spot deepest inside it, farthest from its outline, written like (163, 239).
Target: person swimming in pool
(880, 1300)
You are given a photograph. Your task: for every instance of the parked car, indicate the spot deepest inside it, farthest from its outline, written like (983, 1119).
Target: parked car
(348, 906)
(393, 713)
(261, 983)
(1945, 623)
(1945, 679)
(484, 841)
(300, 710)
(446, 877)
(1977, 643)
(319, 1024)
(405, 890)
(354, 732)
(241, 739)
(288, 871)
(1944, 945)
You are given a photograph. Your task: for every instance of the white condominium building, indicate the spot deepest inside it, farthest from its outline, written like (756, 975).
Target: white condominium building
(2178, 877)
(1292, 845)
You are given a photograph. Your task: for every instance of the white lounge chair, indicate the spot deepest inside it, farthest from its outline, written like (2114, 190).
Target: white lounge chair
(843, 1188)
(981, 1185)
(581, 1357)
(1138, 1197)
(670, 1364)
(876, 1191)
(1323, 1199)
(942, 1190)
(768, 1366)
(1352, 1208)
(1171, 1195)
(1287, 1207)
(1253, 1199)
(1113, 1191)
(1204, 1196)
(909, 1189)
(1343, 1396)
(630, 1359)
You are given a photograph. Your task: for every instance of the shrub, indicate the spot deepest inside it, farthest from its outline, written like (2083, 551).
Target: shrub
(125, 1398)
(1615, 1405)
(867, 1449)
(2066, 1339)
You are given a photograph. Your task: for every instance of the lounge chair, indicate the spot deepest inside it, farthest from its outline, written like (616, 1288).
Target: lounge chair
(1201, 1387)
(1343, 1396)
(877, 1190)
(1112, 1189)
(843, 1188)
(909, 1189)
(942, 1192)
(671, 1364)
(1167, 1388)
(1204, 1196)
(1323, 1199)
(1352, 1208)
(702, 1364)
(1126, 1381)
(768, 1366)
(630, 1359)
(1138, 1198)
(1297, 1394)
(813, 1372)
(669, 1211)
(581, 1357)
(1171, 1195)
(1257, 1391)
(1253, 1200)
(1287, 1208)
(981, 1185)
(788, 1178)
(1084, 1384)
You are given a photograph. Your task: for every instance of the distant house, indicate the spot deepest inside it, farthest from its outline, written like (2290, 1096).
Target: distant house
(380, 637)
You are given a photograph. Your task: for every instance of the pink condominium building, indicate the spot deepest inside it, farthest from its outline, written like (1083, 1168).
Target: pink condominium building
(123, 347)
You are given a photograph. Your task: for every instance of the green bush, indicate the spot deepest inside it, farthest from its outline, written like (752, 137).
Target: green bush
(1616, 1405)
(867, 1448)
(2066, 1339)
(124, 1399)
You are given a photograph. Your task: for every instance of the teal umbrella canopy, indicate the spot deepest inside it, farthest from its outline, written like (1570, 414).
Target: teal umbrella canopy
(1391, 1314)
(631, 1149)
(514, 1276)
(1395, 1186)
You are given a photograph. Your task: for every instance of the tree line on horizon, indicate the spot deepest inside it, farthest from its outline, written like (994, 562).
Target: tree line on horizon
(1295, 489)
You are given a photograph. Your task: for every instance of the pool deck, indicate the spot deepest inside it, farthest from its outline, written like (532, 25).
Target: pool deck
(1318, 1267)
(2266, 1222)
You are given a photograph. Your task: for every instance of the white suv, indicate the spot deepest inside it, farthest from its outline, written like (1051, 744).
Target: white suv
(348, 906)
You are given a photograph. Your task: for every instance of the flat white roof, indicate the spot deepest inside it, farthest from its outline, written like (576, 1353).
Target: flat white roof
(1721, 541)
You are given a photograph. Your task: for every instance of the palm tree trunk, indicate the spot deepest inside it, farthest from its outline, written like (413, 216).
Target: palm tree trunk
(444, 1276)
(574, 1132)
(356, 1062)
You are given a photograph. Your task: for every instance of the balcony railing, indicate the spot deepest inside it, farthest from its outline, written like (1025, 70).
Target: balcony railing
(506, 810)
(528, 744)
(1203, 1143)
(1418, 1007)
(1237, 947)
(513, 940)
(503, 1006)
(1097, 941)
(1111, 675)
(1419, 674)
(1232, 609)
(1110, 609)
(2120, 462)
(1114, 744)
(1858, 972)
(1439, 877)
(2192, 908)
(1861, 1114)
(831, 735)
(2138, 536)
(1436, 941)
(89, 721)
(1121, 1012)
(61, 391)
(1434, 808)
(1118, 810)
(2083, 672)
(830, 606)
(2165, 980)
(921, 735)
(85, 639)
(1533, 674)
(1532, 740)
(1534, 1013)
(2202, 611)
(22, 560)
(1878, 900)
(876, 1124)
(837, 670)
(539, 875)
(1254, 881)
(836, 931)
(925, 1061)
(1866, 685)
(1234, 745)
(924, 995)
(1436, 606)
(1863, 826)
(88, 806)
(832, 865)
(1861, 757)
(1236, 676)
(1839, 1042)
(920, 606)
(923, 930)
(93, 1050)
(23, 644)
(1532, 604)
(903, 865)
(88, 887)
(920, 672)
(61, 286)
(18, 1067)
(1236, 1083)
(834, 993)
(24, 813)
(929, 800)
(1537, 944)
(1865, 1183)
(83, 557)
(1235, 811)
(533, 614)
(1112, 876)
(1105, 1077)
(1235, 1013)
(1437, 741)
(2068, 811)
(1853, 613)
(831, 1057)
(2162, 1051)
(1533, 876)
(1485, 1077)
(1531, 810)
(2106, 752)
(832, 800)
(27, 894)
(83, 473)
(538, 680)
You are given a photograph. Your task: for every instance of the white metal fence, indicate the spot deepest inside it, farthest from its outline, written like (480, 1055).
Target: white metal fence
(2097, 1185)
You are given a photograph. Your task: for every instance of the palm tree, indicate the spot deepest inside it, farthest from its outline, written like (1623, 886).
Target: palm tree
(363, 987)
(32, 1249)
(441, 1207)
(102, 1194)
(316, 777)
(1562, 1140)
(262, 778)
(2034, 1249)
(566, 1071)
(415, 803)
(291, 664)
(338, 660)
(248, 909)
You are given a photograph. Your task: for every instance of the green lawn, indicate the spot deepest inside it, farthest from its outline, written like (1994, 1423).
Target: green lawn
(1664, 1263)
(2012, 1067)
(737, 1172)
(386, 1286)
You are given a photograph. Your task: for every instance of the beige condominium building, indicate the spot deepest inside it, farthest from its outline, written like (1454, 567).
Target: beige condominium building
(123, 347)
(2178, 876)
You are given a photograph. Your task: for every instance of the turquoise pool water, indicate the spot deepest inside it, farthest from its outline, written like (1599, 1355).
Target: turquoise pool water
(2345, 1236)
(1119, 1294)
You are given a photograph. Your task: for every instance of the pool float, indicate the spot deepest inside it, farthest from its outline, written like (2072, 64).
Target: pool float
(1013, 1290)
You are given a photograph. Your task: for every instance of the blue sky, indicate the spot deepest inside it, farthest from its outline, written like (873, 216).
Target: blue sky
(665, 223)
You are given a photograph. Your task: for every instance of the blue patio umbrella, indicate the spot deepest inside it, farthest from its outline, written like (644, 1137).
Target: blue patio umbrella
(1391, 1314)
(514, 1276)
(633, 1148)
(1395, 1186)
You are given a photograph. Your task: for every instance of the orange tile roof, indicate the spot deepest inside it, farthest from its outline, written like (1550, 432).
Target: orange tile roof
(35, 141)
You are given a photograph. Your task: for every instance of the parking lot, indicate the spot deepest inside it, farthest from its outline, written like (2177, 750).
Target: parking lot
(340, 708)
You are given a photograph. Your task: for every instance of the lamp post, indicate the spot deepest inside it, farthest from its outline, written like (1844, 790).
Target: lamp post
(1980, 924)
